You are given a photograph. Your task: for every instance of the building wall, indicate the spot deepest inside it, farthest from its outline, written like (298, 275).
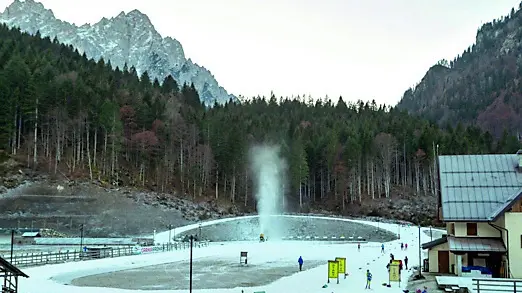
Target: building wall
(433, 256)
(513, 223)
(483, 229)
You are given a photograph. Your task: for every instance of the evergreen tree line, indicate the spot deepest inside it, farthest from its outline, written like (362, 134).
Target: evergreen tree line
(71, 116)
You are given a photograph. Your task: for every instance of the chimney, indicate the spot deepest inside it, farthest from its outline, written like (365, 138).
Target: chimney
(519, 156)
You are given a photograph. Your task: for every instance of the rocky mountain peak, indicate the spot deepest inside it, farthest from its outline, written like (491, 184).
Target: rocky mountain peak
(28, 7)
(128, 38)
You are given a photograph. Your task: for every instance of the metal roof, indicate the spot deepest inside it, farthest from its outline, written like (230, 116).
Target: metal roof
(435, 242)
(84, 241)
(475, 188)
(31, 234)
(472, 244)
(11, 268)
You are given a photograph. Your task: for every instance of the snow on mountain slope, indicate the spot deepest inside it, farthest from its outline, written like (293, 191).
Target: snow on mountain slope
(127, 38)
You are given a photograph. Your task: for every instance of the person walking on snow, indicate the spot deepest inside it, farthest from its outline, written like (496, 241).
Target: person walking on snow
(382, 248)
(406, 262)
(368, 279)
(405, 246)
(358, 246)
(402, 246)
(300, 261)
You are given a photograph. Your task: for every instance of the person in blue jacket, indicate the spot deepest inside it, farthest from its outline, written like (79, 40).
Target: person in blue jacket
(368, 279)
(300, 261)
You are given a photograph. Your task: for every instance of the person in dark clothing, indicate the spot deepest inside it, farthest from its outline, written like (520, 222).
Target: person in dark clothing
(358, 246)
(406, 262)
(300, 261)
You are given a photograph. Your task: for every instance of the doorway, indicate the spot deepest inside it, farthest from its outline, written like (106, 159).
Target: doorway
(443, 262)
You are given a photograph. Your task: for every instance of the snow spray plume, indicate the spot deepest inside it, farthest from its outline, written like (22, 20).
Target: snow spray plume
(268, 168)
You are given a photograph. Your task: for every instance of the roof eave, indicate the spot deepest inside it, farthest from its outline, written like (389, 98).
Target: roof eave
(498, 213)
(478, 251)
(436, 242)
(484, 220)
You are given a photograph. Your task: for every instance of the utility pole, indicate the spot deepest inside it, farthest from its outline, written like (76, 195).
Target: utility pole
(420, 258)
(81, 238)
(190, 270)
(12, 242)
(170, 238)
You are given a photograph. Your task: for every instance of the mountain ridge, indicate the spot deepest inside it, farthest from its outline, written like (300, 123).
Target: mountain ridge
(128, 38)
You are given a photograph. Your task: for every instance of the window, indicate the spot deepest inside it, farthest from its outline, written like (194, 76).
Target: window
(471, 229)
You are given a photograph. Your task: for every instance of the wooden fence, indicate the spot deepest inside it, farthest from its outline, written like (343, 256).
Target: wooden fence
(45, 258)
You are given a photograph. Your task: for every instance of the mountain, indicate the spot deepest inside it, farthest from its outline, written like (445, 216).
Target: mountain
(125, 39)
(482, 86)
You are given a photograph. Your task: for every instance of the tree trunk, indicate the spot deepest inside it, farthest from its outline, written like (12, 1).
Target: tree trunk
(181, 166)
(300, 196)
(13, 140)
(35, 148)
(246, 187)
(233, 191)
(95, 147)
(217, 182)
(88, 150)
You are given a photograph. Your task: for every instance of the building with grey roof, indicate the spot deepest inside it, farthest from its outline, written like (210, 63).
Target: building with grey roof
(480, 200)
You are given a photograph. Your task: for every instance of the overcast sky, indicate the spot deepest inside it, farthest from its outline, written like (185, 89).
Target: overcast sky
(360, 49)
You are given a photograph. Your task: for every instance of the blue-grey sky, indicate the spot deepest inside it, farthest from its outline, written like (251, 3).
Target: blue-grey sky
(360, 49)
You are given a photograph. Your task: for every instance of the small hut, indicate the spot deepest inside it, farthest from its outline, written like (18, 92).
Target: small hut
(9, 273)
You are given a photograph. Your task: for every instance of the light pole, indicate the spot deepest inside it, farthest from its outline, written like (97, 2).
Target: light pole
(170, 230)
(81, 238)
(190, 270)
(12, 242)
(419, 276)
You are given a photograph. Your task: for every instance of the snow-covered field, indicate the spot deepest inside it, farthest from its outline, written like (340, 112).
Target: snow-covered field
(268, 257)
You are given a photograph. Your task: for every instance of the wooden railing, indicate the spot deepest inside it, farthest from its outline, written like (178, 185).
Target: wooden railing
(45, 258)
(487, 285)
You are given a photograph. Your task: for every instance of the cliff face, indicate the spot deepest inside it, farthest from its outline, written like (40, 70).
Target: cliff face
(481, 86)
(125, 39)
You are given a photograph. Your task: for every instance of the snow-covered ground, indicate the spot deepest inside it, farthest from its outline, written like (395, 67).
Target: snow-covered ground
(57, 278)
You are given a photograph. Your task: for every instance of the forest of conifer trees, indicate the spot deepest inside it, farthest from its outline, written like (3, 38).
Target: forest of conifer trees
(69, 116)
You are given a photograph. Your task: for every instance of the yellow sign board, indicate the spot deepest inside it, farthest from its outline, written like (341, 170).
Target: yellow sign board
(333, 269)
(342, 264)
(395, 275)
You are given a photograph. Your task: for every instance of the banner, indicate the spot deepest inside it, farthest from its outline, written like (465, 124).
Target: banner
(147, 249)
(395, 275)
(333, 269)
(342, 264)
